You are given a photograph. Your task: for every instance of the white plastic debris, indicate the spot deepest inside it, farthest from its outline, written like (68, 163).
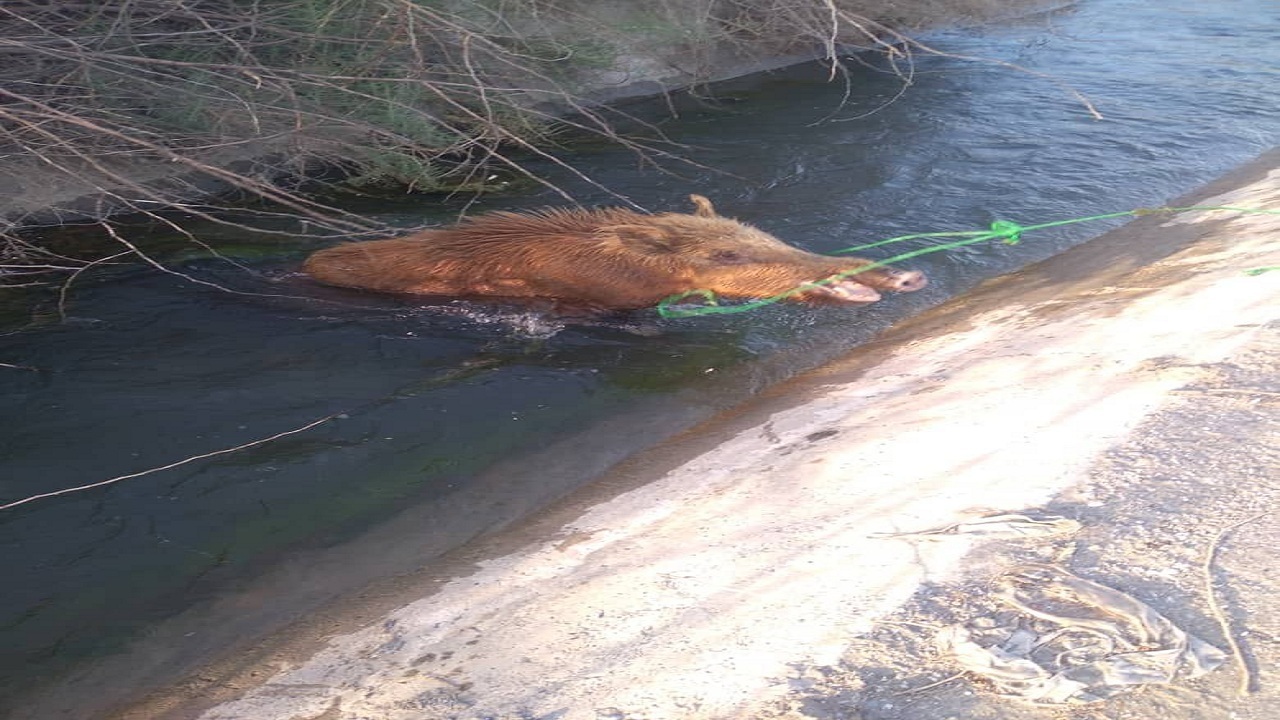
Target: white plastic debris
(1076, 642)
(1006, 524)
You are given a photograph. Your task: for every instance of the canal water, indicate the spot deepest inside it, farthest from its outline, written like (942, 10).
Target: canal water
(470, 418)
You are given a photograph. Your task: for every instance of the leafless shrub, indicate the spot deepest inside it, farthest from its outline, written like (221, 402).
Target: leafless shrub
(144, 104)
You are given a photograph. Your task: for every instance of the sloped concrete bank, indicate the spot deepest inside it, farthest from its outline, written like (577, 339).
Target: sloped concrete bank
(747, 570)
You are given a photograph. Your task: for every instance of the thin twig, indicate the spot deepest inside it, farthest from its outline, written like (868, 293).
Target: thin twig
(134, 250)
(185, 461)
(922, 688)
(66, 284)
(1246, 686)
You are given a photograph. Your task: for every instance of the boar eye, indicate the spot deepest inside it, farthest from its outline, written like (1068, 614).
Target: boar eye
(727, 257)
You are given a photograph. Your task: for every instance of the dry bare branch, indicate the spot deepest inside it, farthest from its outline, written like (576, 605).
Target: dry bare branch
(417, 95)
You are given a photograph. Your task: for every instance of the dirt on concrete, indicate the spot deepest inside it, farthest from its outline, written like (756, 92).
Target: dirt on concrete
(770, 564)
(1200, 475)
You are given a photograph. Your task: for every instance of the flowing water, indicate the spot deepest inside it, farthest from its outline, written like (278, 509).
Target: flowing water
(470, 418)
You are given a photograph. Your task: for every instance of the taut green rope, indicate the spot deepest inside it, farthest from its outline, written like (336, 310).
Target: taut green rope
(1004, 230)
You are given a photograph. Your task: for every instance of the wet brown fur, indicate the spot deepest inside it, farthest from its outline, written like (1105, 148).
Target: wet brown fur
(605, 259)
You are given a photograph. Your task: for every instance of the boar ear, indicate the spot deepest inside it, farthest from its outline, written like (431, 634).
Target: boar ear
(645, 239)
(702, 206)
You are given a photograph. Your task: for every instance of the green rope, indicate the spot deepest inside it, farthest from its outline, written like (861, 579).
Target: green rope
(1003, 230)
